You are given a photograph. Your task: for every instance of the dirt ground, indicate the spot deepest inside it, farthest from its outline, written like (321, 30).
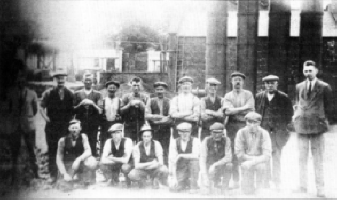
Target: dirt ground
(289, 178)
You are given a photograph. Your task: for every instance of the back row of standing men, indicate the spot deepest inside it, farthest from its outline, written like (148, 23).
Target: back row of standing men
(250, 144)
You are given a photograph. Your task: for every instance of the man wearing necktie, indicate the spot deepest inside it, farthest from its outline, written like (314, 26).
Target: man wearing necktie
(313, 111)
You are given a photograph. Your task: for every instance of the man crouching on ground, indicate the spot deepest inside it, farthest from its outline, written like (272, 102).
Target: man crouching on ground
(116, 155)
(74, 159)
(148, 155)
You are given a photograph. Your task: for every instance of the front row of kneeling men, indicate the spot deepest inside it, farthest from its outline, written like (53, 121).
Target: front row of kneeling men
(212, 159)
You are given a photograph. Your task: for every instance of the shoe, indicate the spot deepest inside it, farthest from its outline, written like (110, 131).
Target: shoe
(321, 193)
(51, 181)
(176, 189)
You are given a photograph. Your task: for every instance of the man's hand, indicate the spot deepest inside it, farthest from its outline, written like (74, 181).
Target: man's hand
(47, 119)
(177, 159)
(76, 164)
(209, 112)
(67, 177)
(247, 165)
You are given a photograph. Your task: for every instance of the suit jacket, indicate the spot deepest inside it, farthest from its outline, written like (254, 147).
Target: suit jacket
(312, 112)
(278, 117)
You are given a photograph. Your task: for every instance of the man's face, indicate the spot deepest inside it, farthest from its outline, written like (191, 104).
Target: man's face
(147, 136)
(75, 129)
(111, 90)
(135, 86)
(212, 88)
(87, 83)
(217, 134)
(310, 72)
(160, 90)
(185, 134)
(186, 87)
(60, 81)
(237, 82)
(252, 125)
(116, 136)
(271, 86)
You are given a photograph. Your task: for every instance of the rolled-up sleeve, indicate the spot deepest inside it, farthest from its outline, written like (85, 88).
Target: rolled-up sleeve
(196, 147)
(266, 144)
(239, 145)
(196, 106)
(173, 106)
(250, 102)
(158, 149)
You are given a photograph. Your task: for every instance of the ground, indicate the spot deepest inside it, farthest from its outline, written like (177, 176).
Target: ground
(290, 178)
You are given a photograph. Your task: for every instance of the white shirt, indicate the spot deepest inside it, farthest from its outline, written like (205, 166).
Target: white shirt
(270, 96)
(87, 92)
(313, 82)
(111, 107)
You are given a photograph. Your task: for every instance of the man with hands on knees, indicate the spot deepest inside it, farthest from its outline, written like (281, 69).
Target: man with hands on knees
(74, 159)
(215, 159)
(184, 160)
(148, 157)
(253, 149)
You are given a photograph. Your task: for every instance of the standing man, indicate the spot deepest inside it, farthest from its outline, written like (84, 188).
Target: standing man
(87, 110)
(276, 110)
(148, 157)
(133, 110)
(211, 107)
(57, 110)
(313, 110)
(253, 149)
(237, 104)
(184, 158)
(116, 155)
(185, 107)
(22, 110)
(157, 113)
(74, 159)
(111, 113)
(216, 159)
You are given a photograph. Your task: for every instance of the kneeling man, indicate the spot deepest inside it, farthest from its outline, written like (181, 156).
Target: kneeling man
(116, 155)
(74, 159)
(148, 155)
(253, 149)
(184, 158)
(215, 159)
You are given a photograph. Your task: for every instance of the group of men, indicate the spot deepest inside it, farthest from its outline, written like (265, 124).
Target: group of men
(188, 138)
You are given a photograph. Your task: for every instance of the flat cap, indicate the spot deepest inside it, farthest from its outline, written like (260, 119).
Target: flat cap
(116, 83)
(309, 63)
(185, 79)
(217, 127)
(184, 126)
(238, 74)
(157, 84)
(270, 78)
(88, 75)
(145, 127)
(253, 116)
(213, 81)
(74, 121)
(58, 74)
(115, 127)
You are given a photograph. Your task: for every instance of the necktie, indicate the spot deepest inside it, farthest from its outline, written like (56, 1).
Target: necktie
(309, 91)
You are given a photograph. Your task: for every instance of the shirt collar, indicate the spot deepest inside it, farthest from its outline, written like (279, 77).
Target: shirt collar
(313, 82)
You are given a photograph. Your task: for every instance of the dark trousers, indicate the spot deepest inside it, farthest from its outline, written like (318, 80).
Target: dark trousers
(54, 131)
(131, 130)
(15, 143)
(187, 173)
(140, 174)
(103, 136)
(92, 132)
(253, 176)
(114, 170)
(162, 134)
(232, 129)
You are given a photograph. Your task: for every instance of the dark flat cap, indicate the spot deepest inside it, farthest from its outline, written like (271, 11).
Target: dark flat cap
(74, 121)
(270, 78)
(116, 83)
(217, 127)
(213, 81)
(253, 116)
(309, 63)
(185, 79)
(58, 74)
(156, 84)
(238, 74)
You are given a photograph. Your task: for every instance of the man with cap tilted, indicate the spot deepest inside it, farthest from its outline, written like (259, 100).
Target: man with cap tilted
(133, 110)
(185, 107)
(148, 160)
(184, 159)
(87, 110)
(276, 110)
(116, 155)
(74, 157)
(313, 111)
(237, 104)
(215, 159)
(211, 107)
(157, 113)
(253, 149)
(57, 110)
(111, 114)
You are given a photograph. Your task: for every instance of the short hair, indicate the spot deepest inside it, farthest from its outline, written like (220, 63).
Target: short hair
(135, 79)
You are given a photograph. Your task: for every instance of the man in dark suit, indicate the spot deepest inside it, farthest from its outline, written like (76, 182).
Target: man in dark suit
(276, 110)
(313, 110)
